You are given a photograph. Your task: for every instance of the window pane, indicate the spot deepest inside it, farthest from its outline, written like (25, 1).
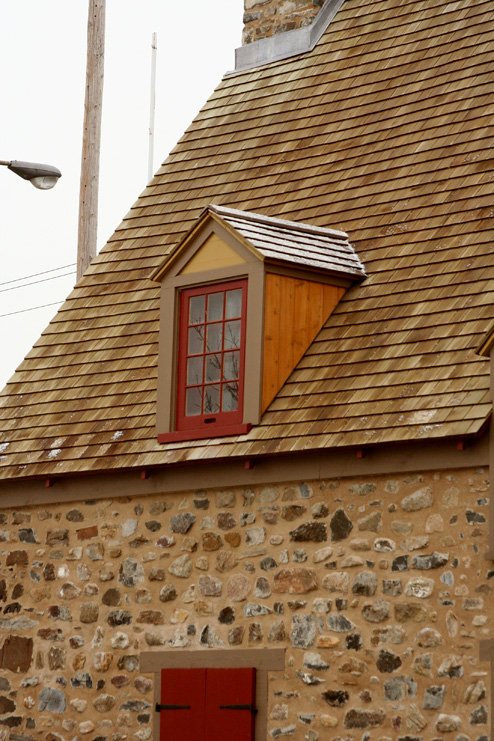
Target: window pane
(215, 307)
(196, 340)
(194, 371)
(231, 364)
(193, 402)
(211, 399)
(233, 303)
(213, 343)
(197, 305)
(230, 397)
(232, 335)
(213, 368)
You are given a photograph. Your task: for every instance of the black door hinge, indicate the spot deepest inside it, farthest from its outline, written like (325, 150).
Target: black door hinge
(250, 708)
(159, 707)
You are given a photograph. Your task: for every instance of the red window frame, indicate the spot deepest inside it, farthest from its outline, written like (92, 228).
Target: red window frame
(214, 423)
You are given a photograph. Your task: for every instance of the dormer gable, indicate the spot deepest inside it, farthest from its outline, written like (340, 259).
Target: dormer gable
(243, 296)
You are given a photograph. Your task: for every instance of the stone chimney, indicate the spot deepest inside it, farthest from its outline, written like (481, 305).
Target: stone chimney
(264, 18)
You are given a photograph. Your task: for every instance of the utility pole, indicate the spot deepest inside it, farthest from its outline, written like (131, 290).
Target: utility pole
(88, 199)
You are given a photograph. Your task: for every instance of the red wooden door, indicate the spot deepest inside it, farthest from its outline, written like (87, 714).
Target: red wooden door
(207, 704)
(183, 700)
(230, 700)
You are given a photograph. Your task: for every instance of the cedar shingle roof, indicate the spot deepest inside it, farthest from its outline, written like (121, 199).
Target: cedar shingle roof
(382, 131)
(288, 242)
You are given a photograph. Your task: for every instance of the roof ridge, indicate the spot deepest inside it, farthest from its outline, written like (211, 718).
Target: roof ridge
(263, 219)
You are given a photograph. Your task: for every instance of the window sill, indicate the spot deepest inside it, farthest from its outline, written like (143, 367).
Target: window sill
(210, 433)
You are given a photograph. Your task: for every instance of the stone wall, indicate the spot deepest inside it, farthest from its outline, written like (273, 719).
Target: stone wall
(264, 18)
(377, 589)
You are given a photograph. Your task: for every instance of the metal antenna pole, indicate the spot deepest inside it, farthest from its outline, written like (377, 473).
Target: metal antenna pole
(91, 142)
(152, 106)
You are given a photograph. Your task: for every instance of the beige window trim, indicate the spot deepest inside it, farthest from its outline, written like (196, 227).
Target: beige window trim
(263, 660)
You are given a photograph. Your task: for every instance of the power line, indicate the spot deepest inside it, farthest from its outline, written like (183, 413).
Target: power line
(35, 275)
(33, 308)
(34, 282)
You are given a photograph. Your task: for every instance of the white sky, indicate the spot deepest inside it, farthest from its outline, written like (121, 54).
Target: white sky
(43, 64)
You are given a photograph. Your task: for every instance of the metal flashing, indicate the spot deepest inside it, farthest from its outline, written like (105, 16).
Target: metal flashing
(286, 44)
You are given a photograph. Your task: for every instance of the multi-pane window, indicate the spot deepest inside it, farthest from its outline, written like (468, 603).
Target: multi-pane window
(211, 355)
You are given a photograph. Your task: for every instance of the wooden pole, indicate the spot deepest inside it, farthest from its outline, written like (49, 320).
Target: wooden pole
(88, 199)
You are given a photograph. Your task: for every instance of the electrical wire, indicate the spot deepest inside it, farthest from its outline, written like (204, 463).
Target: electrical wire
(34, 282)
(35, 275)
(33, 308)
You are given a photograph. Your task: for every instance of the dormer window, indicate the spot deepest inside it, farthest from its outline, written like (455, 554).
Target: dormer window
(242, 298)
(211, 356)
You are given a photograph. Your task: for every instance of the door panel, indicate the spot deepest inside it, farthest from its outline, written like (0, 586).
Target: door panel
(183, 687)
(226, 688)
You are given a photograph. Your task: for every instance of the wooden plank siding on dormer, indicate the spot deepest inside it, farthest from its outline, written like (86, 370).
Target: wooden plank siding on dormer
(295, 311)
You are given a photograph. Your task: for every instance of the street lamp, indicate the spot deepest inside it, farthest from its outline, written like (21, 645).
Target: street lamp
(43, 177)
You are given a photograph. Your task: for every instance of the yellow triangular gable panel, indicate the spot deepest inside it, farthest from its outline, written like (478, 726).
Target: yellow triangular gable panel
(214, 254)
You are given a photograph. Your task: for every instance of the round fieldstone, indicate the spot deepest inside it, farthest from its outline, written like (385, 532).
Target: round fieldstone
(319, 510)
(131, 572)
(52, 700)
(336, 698)
(209, 586)
(68, 591)
(120, 640)
(166, 541)
(262, 588)
(112, 597)
(210, 638)
(181, 567)
(339, 624)
(376, 612)
(226, 521)
(143, 685)
(255, 536)
(295, 581)
(118, 617)
(227, 616)
(303, 631)
(433, 697)
(356, 718)
(276, 632)
(74, 515)
(340, 526)
(268, 564)
(293, 512)
(448, 723)
(269, 494)
(104, 703)
(236, 635)
(419, 587)
(102, 660)
(238, 588)
(365, 583)
(418, 500)
(168, 593)
(182, 523)
(388, 662)
(371, 523)
(225, 561)
(89, 612)
(384, 545)
(225, 499)
(211, 542)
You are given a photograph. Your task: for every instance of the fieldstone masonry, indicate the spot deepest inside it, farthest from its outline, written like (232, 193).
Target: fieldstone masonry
(264, 18)
(377, 589)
